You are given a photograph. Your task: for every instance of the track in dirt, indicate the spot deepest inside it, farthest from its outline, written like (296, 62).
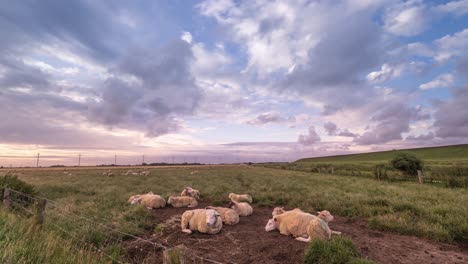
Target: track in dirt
(247, 242)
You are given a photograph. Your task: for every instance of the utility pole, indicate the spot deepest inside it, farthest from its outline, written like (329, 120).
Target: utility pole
(143, 160)
(115, 160)
(37, 162)
(79, 159)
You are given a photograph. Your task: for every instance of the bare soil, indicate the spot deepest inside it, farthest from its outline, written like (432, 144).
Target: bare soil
(247, 242)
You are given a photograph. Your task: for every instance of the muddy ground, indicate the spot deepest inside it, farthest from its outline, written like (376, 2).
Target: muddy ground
(247, 242)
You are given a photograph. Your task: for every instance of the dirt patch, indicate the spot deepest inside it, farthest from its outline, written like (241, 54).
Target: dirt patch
(247, 242)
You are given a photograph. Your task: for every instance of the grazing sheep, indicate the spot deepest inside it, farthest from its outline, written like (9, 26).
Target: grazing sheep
(189, 191)
(201, 220)
(242, 209)
(318, 228)
(294, 222)
(182, 201)
(150, 200)
(240, 198)
(229, 216)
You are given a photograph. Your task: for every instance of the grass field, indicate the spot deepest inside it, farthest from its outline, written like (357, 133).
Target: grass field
(402, 207)
(444, 166)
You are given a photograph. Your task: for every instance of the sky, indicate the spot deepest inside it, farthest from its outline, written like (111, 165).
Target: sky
(229, 81)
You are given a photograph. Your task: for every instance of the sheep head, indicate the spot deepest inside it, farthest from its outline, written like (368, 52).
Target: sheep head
(271, 225)
(170, 199)
(278, 211)
(325, 216)
(211, 217)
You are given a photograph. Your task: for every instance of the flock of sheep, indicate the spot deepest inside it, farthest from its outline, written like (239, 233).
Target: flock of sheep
(301, 225)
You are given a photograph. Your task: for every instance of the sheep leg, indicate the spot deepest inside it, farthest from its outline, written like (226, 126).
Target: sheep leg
(335, 233)
(303, 239)
(185, 222)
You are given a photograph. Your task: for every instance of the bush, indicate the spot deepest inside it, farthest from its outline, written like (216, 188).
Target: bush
(12, 182)
(407, 163)
(336, 251)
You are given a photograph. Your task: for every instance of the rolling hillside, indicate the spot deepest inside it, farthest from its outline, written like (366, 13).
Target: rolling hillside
(455, 152)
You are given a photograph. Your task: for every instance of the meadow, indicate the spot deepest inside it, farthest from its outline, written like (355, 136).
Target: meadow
(409, 208)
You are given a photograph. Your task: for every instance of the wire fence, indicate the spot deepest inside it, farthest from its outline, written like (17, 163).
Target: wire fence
(101, 236)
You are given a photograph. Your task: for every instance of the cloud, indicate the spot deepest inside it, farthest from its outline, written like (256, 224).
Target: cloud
(451, 116)
(424, 137)
(390, 123)
(451, 46)
(442, 81)
(459, 8)
(266, 118)
(407, 18)
(310, 138)
(387, 72)
(158, 87)
(333, 130)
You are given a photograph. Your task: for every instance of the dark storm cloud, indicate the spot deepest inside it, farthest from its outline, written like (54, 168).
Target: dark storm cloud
(334, 67)
(159, 86)
(425, 137)
(451, 116)
(390, 123)
(333, 130)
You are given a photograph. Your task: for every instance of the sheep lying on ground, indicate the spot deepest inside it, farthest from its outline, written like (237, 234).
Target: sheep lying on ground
(150, 200)
(229, 216)
(300, 224)
(280, 210)
(294, 222)
(240, 198)
(318, 228)
(189, 191)
(201, 220)
(242, 209)
(182, 201)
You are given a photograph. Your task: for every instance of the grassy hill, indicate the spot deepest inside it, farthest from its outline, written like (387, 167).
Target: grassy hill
(444, 153)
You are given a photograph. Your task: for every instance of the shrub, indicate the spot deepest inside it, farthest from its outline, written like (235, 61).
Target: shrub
(12, 182)
(336, 251)
(407, 163)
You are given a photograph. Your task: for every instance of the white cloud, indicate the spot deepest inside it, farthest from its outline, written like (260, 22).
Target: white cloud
(451, 46)
(458, 8)
(406, 19)
(442, 81)
(386, 72)
(187, 37)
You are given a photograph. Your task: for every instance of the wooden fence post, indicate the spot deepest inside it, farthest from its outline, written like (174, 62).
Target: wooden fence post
(175, 255)
(6, 198)
(39, 214)
(420, 177)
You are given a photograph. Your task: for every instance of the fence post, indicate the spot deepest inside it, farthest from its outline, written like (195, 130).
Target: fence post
(6, 198)
(39, 214)
(175, 255)
(420, 177)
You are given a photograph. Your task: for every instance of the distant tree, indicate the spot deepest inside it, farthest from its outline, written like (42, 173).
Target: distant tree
(407, 163)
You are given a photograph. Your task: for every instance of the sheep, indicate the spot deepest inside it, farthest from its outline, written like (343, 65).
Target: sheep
(182, 201)
(240, 198)
(189, 191)
(242, 209)
(201, 220)
(229, 216)
(318, 228)
(150, 200)
(294, 222)
(280, 210)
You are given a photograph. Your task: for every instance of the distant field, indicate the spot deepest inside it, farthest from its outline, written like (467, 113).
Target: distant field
(401, 207)
(445, 153)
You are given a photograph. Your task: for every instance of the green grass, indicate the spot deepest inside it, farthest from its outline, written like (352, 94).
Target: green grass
(402, 207)
(336, 251)
(451, 153)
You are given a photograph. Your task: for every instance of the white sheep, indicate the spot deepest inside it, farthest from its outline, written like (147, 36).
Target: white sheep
(201, 220)
(149, 200)
(242, 209)
(189, 191)
(280, 210)
(182, 201)
(318, 228)
(294, 222)
(240, 198)
(229, 216)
